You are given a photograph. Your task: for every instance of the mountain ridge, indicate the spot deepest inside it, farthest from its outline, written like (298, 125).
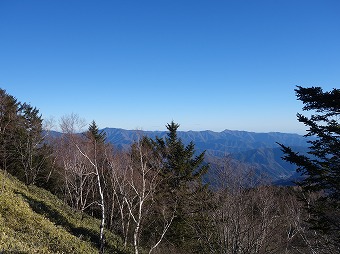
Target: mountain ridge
(257, 149)
(260, 150)
(231, 140)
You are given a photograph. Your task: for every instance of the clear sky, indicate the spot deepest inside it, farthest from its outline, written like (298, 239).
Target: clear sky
(208, 64)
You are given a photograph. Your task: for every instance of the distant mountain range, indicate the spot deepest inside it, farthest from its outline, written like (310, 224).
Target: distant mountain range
(257, 149)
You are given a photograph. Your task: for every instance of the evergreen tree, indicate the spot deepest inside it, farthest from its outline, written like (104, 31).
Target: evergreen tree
(181, 164)
(30, 144)
(23, 150)
(321, 167)
(9, 107)
(182, 187)
(94, 133)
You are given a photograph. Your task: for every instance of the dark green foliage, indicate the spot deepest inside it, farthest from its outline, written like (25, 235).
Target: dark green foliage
(180, 162)
(8, 125)
(182, 188)
(321, 167)
(24, 152)
(33, 152)
(94, 133)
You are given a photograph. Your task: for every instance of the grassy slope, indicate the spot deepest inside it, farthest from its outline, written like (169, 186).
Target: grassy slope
(32, 220)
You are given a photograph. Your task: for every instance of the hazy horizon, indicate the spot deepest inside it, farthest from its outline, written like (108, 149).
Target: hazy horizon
(141, 64)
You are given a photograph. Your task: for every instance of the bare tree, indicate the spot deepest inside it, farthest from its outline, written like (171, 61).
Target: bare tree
(78, 178)
(119, 188)
(83, 164)
(301, 238)
(252, 216)
(246, 214)
(96, 170)
(135, 192)
(76, 171)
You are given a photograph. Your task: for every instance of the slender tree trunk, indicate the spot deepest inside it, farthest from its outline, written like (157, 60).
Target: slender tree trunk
(102, 222)
(135, 239)
(136, 232)
(101, 196)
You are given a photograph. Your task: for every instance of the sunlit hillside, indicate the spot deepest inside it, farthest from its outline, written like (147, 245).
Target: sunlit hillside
(32, 220)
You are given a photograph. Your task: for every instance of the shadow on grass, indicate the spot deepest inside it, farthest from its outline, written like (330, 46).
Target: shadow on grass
(13, 252)
(57, 218)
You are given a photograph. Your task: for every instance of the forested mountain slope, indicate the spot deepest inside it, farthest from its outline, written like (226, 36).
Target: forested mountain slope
(215, 143)
(259, 150)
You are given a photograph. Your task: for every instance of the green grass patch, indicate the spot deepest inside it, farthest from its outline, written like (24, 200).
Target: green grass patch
(32, 220)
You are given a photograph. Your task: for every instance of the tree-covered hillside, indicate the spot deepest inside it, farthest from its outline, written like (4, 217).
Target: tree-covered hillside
(259, 150)
(159, 195)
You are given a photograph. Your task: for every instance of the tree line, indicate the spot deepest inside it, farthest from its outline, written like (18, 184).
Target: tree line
(156, 197)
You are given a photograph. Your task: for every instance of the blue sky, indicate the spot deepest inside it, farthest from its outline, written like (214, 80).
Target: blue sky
(140, 64)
